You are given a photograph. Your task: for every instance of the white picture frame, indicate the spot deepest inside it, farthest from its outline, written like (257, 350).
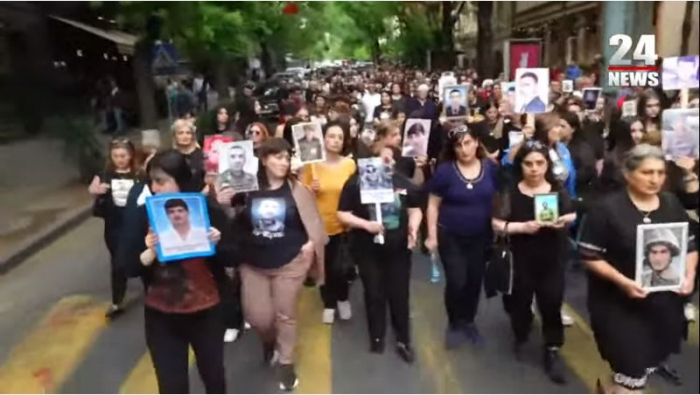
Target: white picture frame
(308, 142)
(672, 236)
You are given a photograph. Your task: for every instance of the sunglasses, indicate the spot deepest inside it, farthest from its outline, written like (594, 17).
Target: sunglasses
(534, 144)
(458, 131)
(119, 141)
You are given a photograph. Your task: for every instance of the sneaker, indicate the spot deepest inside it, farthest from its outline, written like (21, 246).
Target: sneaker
(230, 335)
(473, 335)
(405, 352)
(566, 319)
(689, 311)
(344, 310)
(113, 311)
(453, 338)
(376, 346)
(554, 366)
(287, 378)
(328, 316)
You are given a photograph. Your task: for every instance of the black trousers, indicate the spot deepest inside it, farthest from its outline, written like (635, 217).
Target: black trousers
(386, 275)
(230, 292)
(464, 261)
(547, 287)
(118, 278)
(336, 288)
(169, 336)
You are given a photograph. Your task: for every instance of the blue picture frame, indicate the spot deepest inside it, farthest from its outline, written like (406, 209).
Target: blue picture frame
(159, 222)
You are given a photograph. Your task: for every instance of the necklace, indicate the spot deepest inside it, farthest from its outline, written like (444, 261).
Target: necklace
(470, 182)
(646, 218)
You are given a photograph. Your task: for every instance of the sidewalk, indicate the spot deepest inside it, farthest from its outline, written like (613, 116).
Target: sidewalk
(40, 197)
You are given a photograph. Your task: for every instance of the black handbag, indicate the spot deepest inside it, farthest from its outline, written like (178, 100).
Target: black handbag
(500, 271)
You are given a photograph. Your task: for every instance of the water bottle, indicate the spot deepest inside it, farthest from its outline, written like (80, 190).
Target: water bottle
(435, 270)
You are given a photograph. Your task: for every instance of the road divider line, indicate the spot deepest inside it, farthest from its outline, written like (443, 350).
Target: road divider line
(50, 353)
(313, 349)
(142, 378)
(430, 348)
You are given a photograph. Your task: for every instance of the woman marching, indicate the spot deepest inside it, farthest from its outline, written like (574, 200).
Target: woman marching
(635, 331)
(326, 180)
(284, 238)
(459, 227)
(539, 252)
(385, 268)
(182, 299)
(111, 193)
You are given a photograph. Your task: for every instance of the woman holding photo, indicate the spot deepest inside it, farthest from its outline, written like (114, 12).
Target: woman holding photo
(284, 239)
(649, 109)
(539, 253)
(182, 298)
(326, 180)
(385, 268)
(111, 192)
(635, 331)
(459, 227)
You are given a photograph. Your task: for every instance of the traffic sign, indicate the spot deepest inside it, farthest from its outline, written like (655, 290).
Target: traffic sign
(165, 59)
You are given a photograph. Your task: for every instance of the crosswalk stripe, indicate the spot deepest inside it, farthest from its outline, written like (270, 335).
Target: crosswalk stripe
(142, 378)
(49, 354)
(313, 350)
(429, 347)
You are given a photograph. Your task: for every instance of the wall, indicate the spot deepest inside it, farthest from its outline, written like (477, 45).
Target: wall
(669, 28)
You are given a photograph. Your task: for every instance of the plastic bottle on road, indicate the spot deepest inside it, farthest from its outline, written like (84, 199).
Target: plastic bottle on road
(435, 270)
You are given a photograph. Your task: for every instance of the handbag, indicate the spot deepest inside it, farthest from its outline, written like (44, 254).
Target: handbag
(500, 271)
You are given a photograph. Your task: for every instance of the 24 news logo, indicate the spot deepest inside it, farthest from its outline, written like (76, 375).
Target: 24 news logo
(623, 73)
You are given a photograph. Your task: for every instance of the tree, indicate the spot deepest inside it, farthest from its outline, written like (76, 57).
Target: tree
(484, 39)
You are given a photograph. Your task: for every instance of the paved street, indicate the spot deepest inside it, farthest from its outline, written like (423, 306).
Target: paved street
(55, 339)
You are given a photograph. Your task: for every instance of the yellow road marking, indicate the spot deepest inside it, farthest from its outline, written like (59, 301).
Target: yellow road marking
(142, 379)
(429, 346)
(693, 336)
(313, 349)
(49, 354)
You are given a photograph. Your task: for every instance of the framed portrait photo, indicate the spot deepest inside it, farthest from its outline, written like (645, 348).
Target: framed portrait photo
(679, 134)
(531, 90)
(212, 149)
(238, 166)
(455, 103)
(546, 208)
(680, 72)
(661, 252)
(508, 90)
(308, 142)
(629, 108)
(590, 97)
(567, 86)
(181, 222)
(415, 137)
(376, 185)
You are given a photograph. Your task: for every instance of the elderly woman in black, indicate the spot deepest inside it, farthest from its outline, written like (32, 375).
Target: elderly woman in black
(636, 331)
(539, 252)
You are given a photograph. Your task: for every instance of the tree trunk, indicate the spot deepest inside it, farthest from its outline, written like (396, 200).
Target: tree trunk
(685, 35)
(484, 40)
(448, 42)
(145, 87)
(376, 51)
(221, 81)
(266, 59)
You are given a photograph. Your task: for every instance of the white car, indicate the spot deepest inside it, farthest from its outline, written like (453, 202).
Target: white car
(298, 71)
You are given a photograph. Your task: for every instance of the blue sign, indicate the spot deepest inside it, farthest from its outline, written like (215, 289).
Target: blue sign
(165, 59)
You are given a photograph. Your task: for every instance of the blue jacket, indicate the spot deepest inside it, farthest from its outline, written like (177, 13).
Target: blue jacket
(565, 156)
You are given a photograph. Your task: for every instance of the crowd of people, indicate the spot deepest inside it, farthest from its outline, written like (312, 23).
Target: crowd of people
(478, 179)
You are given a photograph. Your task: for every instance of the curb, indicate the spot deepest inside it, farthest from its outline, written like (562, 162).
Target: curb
(42, 238)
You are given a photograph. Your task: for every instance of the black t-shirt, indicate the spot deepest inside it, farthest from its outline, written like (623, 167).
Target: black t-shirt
(544, 248)
(273, 228)
(394, 215)
(610, 234)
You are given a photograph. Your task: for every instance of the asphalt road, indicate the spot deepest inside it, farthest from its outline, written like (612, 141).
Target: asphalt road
(54, 338)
